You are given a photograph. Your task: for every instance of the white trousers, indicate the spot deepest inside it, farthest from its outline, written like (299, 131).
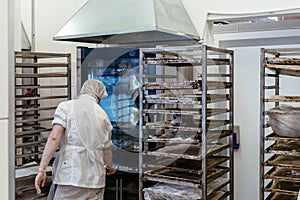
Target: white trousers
(66, 192)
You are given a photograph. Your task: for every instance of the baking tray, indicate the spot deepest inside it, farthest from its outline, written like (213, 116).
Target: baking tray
(171, 98)
(185, 62)
(192, 166)
(279, 196)
(284, 187)
(187, 126)
(283, 61)
(186, 151)
(173, 140)
(275, 137)
(290, 70)
(284, 174)
(178, 177)
(285, 148)
(32, 132)
(186, 111)
(284, 66)
(191, 138)
(172, 85)
(219, 195)
(278, 98)
(29, 171)
(42, 75)
(197, 84)
(285, 161)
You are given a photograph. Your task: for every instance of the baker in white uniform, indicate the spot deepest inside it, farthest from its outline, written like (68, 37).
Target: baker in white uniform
(83, 131)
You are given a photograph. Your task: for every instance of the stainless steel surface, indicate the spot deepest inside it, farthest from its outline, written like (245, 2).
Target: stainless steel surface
(25, 43)
(129, 22)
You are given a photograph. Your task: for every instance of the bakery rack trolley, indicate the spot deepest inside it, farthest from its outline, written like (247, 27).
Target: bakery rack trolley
(42, 81)
(279, 156)
(186, 122)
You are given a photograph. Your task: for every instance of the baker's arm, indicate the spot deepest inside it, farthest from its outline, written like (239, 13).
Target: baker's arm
(50, 148)
(107, 156)
(108, 161)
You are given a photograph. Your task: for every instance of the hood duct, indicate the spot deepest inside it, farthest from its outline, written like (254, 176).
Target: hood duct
(129, 22)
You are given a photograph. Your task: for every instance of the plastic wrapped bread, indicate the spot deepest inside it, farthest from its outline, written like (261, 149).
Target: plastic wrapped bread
(285, 120)
(171, 192)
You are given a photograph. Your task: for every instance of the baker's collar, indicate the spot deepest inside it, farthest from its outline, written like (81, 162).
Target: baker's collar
(88, 97)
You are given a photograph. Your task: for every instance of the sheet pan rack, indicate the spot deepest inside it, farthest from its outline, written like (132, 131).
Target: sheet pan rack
(186, 123)
(42, 81)
(279, 155)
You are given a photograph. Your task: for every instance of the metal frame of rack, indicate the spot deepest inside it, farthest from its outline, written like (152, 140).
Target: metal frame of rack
(278, 164)
(42, 80)
(200, 153)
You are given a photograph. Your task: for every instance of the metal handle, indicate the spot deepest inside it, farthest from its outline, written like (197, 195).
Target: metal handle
(117, 189)
(121, 189)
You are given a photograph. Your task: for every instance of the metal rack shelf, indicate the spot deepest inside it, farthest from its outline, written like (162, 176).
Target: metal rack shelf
(186, 151)
(186, 111)
(25, 98)
(211, 85)
(185, 99)
(279, 156)
(34, 110)
(193, 166)
(186, 127)
(40, 65)
(178, 62)
(40, 86)
(278, 98)
(275, 137)
(172, 176)
(283, 187)
(32, 132)
(284, 174)
(280, 196)
(186, 139)
(42, 75)
(284, 148)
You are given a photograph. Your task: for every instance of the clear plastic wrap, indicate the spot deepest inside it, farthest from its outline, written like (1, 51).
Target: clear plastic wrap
(285, 120)
(171, 192)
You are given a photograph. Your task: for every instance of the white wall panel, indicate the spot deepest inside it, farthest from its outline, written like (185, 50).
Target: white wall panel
(247, 102)
(4, 186)
(4, 59)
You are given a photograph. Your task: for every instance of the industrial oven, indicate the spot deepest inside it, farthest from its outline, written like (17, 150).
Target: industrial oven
(117, 68)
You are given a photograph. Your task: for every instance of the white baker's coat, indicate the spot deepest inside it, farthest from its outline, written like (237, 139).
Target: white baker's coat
(87, 132)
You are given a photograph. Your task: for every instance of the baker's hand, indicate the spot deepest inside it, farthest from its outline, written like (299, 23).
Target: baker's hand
(40, 181)
(110, 170)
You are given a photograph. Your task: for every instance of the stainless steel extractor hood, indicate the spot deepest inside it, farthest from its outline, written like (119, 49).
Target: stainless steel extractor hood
(129, 22)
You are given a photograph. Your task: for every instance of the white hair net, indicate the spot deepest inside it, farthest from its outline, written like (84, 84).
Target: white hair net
(95, 88)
